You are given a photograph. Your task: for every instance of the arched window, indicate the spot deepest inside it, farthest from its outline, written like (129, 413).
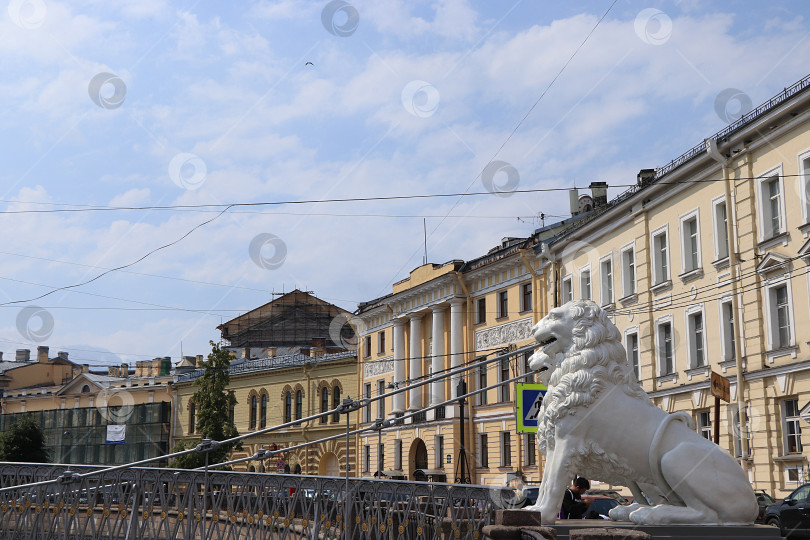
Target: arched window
(287, 407)
(252, 416)
(263, 413)
(192, 417)
(335, 403)
(324, 402)
(86, 389)
(299, 405)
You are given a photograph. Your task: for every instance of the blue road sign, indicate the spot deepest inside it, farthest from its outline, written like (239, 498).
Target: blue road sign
(529, 400)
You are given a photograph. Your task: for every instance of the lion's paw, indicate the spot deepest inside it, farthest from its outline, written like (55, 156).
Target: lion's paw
(622, 513)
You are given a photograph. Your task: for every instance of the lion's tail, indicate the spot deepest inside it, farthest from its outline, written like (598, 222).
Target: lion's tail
(655, 456)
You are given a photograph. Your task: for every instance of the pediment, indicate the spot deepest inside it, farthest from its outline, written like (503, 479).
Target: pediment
(75, 386)
(772, 262)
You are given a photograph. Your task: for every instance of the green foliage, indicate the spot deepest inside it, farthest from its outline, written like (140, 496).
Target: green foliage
(213, 401)
(23, 441)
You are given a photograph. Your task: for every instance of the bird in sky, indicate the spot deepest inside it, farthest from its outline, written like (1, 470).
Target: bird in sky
(309, 64)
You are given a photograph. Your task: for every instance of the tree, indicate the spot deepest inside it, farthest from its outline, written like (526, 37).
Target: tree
(23, 441)
(213, 401)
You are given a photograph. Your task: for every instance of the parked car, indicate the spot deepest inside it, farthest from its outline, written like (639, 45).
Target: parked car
(791, 514)
(530, 493)
(599, 506)
(764, 501)
(612, 493)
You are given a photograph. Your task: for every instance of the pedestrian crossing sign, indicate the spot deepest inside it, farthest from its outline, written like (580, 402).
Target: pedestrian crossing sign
(529, 400)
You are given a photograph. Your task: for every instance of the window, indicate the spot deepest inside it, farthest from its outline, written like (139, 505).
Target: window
(366, 458)
(791, 426)
(720, 229)
(567, 290)
(727, 329)
(606, 273)
(367, 347)
(299, 405)
(704, 424)
(795, 475)
(232, 411)
(254, 408)
(697, 355)
(804, 183)
(482, 383)
(503, 389)
(503, 304)
(381, 402)
(585, 284)
(527, 356)
(772, 208)
(530, 452)
(381, 456)
(287, 409)
(324, 403)
(631, 345)
(690, 243)
(397, 454)
(628, 272)
(738, 430)
(367, 408)
(660, 257)
(381, 342)
(336, 403)
(192, 417)
(481, 314)
(438, 450)
(666, 358)
(780, 317)
(506, 449)
(483, 451)
(526, 297)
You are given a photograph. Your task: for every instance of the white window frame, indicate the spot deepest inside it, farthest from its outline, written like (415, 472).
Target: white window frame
(438, 451)
(692, 344)
(606, 280)
(804, 184)
(799, 474)
(583, 272)
(506, 457)
(567, 289)
(657, 269)
(523, 307)
(628, 281)
(686, 262)
(659, 345)
(771, 321)
(705, 430)
(720, 229)
(785, 420)
(764, 202)
(504, 391)
(633, 331)
(727, 341)
(529, 450)
(483, 451)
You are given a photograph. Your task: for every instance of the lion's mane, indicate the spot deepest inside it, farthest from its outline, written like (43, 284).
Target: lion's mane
(596, 362)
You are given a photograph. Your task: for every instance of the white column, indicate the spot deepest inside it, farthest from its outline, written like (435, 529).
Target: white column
(399, 366)
(456, 341)
(437, 363)
(415, 394)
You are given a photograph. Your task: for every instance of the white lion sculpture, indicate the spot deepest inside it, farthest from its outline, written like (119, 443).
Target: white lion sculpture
(596, 421)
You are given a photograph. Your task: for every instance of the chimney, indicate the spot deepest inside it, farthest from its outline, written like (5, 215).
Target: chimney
(62, 354)
(272, 351)
(42, 354)
(85, 368)
(318, 347)
(599, 192)
(112, 371)
(246, 353)
(199, 360)
(1, 356)
(124, 371)
(645, 177)
(573, 201)
(23, 355)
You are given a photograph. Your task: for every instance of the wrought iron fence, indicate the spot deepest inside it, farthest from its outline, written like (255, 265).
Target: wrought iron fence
(48, 501)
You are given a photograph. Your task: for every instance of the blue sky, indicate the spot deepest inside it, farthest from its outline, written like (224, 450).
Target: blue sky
(155, 103)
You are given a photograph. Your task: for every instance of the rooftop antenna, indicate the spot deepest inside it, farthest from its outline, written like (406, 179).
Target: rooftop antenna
(424, 227)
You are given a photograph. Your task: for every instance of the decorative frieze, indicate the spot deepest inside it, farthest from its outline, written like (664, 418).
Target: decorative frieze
(378, 367)
(503, 334)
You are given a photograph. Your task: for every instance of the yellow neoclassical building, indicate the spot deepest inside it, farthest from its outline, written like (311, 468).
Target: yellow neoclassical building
(704, 265)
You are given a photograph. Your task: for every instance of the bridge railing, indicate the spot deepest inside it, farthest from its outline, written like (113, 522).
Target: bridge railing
(149, 503)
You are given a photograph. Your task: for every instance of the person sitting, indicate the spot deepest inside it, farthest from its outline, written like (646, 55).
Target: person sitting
(573, 507)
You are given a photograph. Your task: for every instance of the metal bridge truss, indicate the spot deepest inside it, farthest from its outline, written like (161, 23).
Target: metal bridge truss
(50, 502)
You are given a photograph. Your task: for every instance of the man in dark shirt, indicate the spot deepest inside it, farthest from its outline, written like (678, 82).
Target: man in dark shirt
(573, 507)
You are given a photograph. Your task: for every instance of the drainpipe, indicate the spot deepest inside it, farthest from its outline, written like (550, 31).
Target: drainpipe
(470, 347)
(714, 153)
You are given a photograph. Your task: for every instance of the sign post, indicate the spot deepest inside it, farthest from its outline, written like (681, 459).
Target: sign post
(529, 400)
(721, 389)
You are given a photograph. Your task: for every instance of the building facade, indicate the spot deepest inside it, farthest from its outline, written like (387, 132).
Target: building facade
(704, 266)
